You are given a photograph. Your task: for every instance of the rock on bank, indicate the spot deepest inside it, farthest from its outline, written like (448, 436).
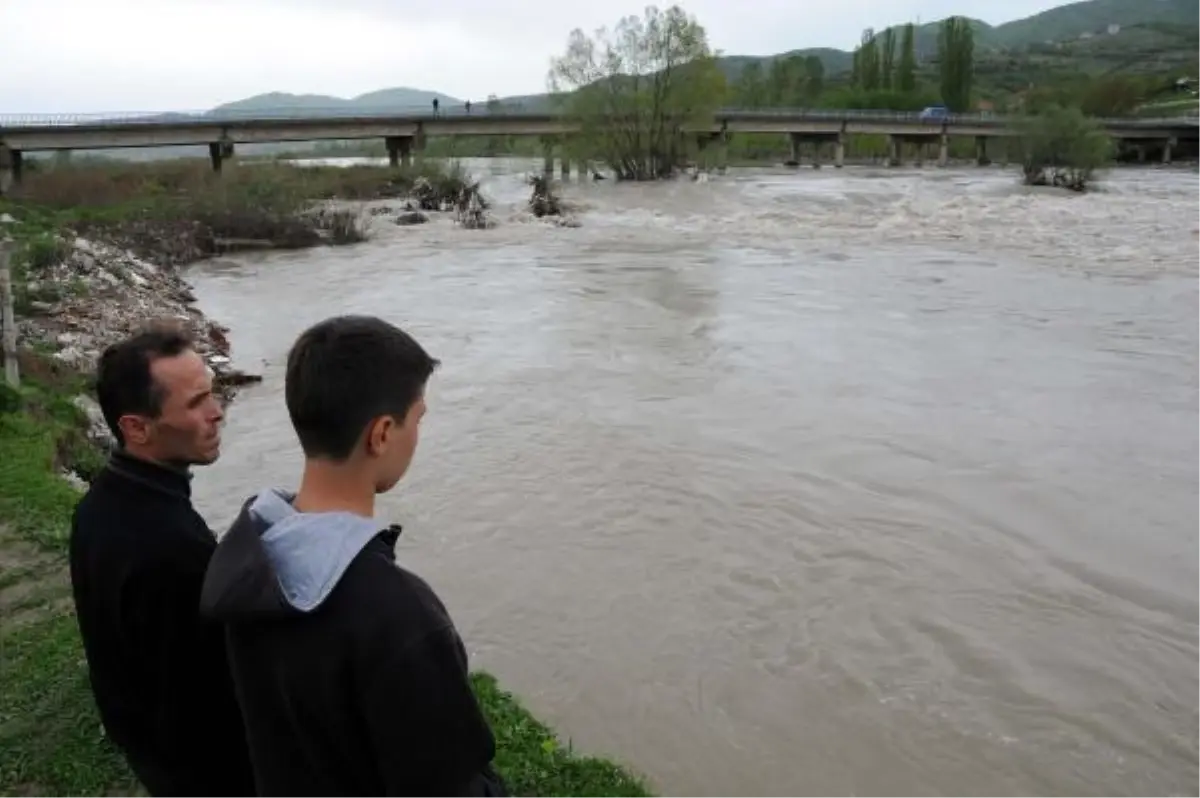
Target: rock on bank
(96, 293)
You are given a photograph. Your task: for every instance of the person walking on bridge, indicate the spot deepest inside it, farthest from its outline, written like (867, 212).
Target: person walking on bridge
(138, 553)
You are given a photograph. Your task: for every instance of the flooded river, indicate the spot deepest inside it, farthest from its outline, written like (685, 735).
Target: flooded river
(830, 482)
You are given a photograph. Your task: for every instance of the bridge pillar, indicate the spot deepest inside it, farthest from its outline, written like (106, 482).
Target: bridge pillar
(722, 153)
(981, 153)
(944, 151)
(547, 158)
(399, 150)
(1167, 147)
(218, 153)
(839, 154)
(893, 150)
(11, 168)
(795, 140)
(565, 169)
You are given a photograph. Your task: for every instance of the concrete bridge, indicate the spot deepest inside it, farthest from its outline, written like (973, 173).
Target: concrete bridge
(405, 132)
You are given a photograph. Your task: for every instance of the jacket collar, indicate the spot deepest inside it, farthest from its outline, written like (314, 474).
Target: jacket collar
(155, 476)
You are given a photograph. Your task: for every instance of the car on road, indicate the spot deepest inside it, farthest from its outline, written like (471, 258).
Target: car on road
(935, 112)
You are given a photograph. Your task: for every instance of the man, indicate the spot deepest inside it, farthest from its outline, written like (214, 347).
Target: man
(138, 552)
(351, 676)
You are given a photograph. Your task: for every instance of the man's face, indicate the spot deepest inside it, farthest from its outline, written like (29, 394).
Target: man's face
(187, 431)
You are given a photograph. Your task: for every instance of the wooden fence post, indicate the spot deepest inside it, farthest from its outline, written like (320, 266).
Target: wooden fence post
(8, 319)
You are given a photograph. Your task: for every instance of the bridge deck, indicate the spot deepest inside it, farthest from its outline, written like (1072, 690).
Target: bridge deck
(99, 131)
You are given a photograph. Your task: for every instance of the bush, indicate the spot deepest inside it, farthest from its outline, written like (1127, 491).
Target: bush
(1061, 147)
(41, 252)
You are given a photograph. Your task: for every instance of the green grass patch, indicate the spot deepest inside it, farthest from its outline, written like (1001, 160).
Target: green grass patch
(34, 500)
(533, 760)
(49, 731)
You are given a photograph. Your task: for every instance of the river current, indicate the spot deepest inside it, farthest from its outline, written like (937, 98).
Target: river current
(795, 482)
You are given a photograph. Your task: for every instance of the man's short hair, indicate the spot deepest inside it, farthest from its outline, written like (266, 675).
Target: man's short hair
(124, 384)
(346, 371)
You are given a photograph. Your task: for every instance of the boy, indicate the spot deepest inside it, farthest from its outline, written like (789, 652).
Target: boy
(351, 677)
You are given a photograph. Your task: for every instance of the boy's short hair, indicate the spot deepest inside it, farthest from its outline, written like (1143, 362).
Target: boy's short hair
(346, 371)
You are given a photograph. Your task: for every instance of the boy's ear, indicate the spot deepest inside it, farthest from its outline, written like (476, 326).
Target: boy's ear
(378, 433)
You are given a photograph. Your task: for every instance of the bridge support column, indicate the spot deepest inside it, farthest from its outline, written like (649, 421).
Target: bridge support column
(1141, 152)
(981, 153)
(839, 153)
(547, 158)
(399, 150)
(944, 151)
(218, 153)
(11, 168)
(893, 151)
(565, 169)
(795, 141)
(1167, 147)
(722, 153)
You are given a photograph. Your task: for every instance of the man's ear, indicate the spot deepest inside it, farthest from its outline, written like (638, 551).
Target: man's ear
(134, 429)
(379, 432)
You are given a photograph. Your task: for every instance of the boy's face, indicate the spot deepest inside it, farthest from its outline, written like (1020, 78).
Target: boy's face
(392, 443)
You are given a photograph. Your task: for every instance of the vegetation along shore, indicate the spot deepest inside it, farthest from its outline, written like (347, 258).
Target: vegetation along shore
(95, 251)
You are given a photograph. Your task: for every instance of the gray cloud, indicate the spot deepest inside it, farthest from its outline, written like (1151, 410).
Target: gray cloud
(150, 55)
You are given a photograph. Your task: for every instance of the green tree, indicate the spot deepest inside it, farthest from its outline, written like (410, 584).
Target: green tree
(635, 89)
(1062, 147)
(866, 62)
(781, 82)
(751, 88)
(906, 70)
(887, 58)
(956, 57)
(1114, 95)
(814, 78)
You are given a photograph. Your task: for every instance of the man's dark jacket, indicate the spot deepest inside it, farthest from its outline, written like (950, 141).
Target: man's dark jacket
(138, 553)
(351, 676)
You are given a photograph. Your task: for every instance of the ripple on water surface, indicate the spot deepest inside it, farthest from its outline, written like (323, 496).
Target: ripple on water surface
(854, 481)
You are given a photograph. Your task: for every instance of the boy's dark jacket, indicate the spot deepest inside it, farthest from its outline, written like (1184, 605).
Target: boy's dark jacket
(351, 677)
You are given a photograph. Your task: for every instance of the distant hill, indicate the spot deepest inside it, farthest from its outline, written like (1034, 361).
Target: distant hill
(1094, 36)
(400, 98)
(1093, 16)
(1171, 19)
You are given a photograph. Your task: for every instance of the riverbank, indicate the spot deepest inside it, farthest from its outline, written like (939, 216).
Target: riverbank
(97, 255)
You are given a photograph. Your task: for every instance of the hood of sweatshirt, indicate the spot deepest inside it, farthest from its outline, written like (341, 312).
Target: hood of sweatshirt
(277, 561)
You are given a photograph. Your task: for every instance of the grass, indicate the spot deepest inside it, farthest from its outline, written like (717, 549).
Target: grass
(178, 211)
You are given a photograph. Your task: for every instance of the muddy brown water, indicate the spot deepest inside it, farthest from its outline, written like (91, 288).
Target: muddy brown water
(796, 483)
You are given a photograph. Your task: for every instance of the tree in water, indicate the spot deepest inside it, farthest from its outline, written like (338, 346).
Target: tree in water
(906, 70)
(1061, 147)
(887, 58)
(635, 90)
(956, 54)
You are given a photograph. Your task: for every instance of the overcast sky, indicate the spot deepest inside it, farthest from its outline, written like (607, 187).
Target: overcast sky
(157, 55)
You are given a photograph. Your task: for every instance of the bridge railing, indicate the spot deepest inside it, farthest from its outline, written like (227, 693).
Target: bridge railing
(318, 113)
